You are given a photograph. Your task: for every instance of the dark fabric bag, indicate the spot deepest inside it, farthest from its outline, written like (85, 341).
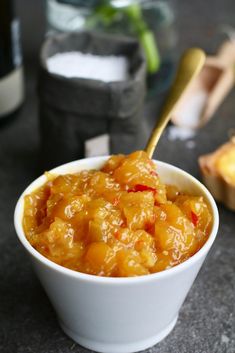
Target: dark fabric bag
(71, 111)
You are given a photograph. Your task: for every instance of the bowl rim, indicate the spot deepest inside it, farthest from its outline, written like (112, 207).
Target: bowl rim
(18, 213)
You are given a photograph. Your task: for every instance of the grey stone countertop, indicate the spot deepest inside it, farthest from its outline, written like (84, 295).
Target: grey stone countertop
(27, 321)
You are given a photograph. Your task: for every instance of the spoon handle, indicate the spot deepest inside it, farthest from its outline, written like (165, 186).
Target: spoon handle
(189, 67)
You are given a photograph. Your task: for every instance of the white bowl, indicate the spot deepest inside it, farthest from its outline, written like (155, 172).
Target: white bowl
(118, 315)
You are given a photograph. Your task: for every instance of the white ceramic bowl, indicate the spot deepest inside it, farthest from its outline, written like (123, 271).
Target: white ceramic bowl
(118, 315)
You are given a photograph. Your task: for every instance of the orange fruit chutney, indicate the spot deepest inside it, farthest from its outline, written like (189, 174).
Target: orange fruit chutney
(119, 221)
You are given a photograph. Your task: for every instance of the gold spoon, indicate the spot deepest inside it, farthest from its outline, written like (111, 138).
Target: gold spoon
(189, 67)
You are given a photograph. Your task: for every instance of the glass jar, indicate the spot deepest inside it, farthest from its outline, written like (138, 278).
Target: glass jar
(152, 21)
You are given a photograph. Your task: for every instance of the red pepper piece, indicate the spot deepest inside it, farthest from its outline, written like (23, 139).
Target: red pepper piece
(116, 234)
(194, 218)
(140, 187)
(154, 173)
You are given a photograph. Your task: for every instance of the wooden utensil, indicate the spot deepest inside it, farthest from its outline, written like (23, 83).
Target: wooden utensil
(209, 89)
(189, 67)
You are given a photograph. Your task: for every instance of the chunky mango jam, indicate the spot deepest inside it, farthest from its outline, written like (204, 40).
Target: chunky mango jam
(119, 221)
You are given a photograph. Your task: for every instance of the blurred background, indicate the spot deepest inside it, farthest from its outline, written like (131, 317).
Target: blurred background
(175, 24)
(28, 321)
(192, 18)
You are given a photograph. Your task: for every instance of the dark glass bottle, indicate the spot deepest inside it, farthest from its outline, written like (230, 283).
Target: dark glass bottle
(11, 70)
